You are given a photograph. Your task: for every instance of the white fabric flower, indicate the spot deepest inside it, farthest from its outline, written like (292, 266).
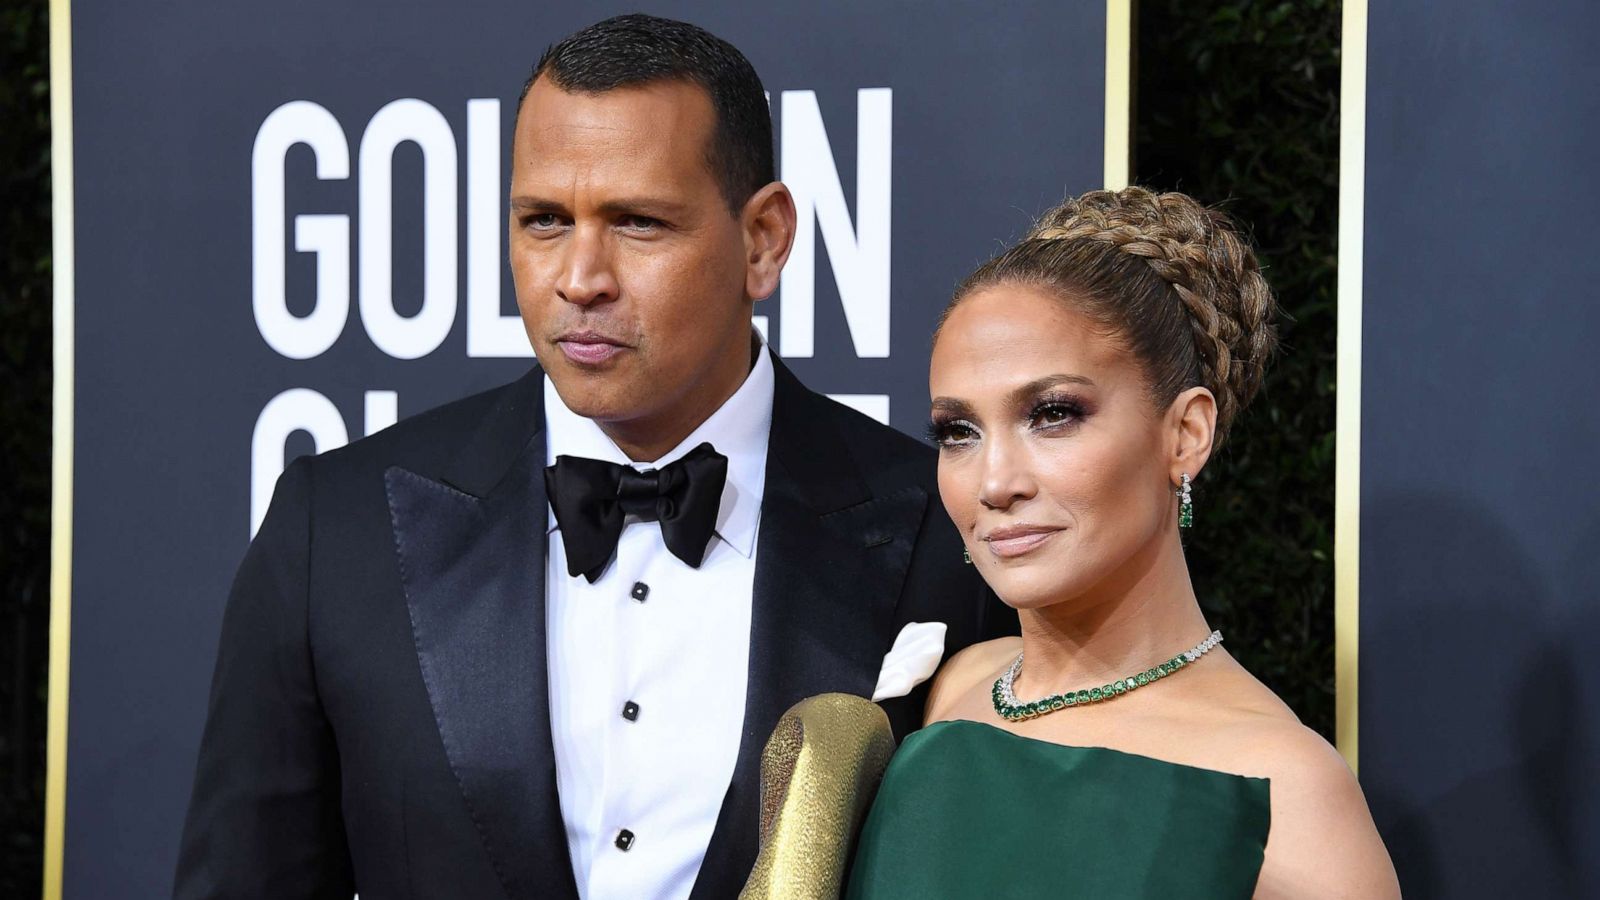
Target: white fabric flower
(915, 655)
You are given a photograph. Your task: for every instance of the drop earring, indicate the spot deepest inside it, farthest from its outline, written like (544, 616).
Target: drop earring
(965, 556)
(1185, 505)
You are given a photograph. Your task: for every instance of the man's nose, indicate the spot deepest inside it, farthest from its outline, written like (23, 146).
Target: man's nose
(587, 276)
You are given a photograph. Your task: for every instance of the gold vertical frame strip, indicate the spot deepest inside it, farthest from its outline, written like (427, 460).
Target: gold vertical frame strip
(62, 268)
(1119, 93)
(1347, 446)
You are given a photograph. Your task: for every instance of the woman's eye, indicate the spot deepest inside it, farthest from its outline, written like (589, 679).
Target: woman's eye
(951, 434)
(1049, 415)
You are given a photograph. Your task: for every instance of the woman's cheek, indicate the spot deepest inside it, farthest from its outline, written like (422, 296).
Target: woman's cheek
(958, 497)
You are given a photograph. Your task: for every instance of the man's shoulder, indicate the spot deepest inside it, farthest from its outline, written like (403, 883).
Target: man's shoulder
(860, 426)
(881, 452)
(427, 441)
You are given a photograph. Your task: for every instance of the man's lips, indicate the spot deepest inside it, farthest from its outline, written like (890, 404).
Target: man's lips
(589, 348)
(1016, 540)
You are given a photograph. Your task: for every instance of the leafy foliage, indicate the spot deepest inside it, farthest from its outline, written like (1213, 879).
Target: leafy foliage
(1238, 106)
(25, 439)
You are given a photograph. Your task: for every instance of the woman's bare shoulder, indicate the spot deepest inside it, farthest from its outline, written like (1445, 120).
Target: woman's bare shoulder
(1264, 736)
(961, 673)
(1323, 842)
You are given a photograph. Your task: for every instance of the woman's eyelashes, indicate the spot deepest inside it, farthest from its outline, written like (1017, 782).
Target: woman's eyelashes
(951, 432)
(1047, 415)
(1053, 413)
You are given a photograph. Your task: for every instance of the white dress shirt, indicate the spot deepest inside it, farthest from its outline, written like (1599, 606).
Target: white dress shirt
(649, 664)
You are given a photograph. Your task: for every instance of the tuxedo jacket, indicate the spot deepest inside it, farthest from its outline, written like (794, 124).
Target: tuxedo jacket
(379, 714)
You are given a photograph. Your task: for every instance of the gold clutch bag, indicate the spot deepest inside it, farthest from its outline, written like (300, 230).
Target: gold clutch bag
(819, 771)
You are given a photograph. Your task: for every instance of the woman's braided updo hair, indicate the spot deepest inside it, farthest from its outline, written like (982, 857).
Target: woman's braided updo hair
(1172, 278)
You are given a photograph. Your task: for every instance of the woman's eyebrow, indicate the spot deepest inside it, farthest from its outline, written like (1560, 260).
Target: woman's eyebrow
(952, 405)
(1027, 391)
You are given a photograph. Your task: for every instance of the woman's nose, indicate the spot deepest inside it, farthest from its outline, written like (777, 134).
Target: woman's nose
(1006, 478)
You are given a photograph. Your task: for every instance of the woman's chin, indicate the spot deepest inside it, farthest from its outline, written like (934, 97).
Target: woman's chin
(1032, 593)
(1037, 586)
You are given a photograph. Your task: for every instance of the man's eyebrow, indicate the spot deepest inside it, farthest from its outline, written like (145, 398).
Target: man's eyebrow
(638, 206)
(536, 203)
(642, 206)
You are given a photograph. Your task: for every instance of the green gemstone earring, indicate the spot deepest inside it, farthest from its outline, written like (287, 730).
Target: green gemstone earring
(1185, 505)
(965, 556)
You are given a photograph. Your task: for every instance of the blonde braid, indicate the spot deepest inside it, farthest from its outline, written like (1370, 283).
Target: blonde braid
(1213, 271)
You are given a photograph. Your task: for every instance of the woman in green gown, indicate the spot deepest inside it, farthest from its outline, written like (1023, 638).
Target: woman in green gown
(1115, 751)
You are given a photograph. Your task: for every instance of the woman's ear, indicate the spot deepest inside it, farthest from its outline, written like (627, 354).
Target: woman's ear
(768, 222)
(1192, 426)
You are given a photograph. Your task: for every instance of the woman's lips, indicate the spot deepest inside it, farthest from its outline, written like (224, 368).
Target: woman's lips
(1011, 544)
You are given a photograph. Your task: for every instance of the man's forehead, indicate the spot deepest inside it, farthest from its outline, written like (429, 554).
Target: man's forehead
(645, 140)
(626, 159)
(664, 109)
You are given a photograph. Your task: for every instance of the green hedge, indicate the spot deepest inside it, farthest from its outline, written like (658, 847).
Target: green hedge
(24, 439)
(1238, 105)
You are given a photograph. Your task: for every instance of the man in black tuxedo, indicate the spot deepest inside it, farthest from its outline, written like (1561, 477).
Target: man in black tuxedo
(531, 643)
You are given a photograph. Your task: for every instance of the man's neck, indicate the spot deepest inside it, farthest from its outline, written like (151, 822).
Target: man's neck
(646, 440)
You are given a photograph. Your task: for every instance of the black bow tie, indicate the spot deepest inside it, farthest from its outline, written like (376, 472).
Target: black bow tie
(591, 497)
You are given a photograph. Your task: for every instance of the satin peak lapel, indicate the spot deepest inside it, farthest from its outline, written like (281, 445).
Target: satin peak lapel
(471, 552)
(830, 564)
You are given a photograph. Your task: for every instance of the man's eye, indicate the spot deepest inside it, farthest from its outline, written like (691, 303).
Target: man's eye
(638, 223)
(542, 221)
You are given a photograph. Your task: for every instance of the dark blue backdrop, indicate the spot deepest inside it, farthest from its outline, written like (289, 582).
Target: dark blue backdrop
(1479, 719)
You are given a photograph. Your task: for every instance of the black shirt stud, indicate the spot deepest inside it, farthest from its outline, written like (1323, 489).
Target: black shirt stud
(624, 840)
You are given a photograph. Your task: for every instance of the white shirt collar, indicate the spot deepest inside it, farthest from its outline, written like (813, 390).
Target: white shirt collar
(739, 430)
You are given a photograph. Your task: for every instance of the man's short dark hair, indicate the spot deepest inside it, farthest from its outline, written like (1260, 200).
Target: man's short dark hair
(632, 50)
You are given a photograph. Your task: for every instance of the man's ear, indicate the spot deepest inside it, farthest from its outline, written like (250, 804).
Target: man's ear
(1192, 428)
(768, 222)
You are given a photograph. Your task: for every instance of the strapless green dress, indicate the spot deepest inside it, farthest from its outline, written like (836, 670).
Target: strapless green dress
(968, 810)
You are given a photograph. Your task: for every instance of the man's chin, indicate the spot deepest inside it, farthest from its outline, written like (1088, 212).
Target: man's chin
(601, 396)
